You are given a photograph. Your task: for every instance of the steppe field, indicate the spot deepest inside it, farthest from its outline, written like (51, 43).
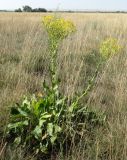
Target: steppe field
(24, 65)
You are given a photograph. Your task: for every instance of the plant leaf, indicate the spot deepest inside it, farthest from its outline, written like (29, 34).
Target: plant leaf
(45, 116)
(17, 141)
(22, 112)
(50, 129)
(18, 124)
(58, 129)
(37, 132)
(41, 122)
(53, 138)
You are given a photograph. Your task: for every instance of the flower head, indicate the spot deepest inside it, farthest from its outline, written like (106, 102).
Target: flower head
(109, 47)
(58, 28)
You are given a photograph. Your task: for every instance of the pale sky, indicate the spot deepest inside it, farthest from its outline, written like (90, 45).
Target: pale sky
(66, 4)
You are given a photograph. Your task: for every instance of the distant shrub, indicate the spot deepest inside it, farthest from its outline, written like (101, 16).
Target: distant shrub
(18, 10)
(39, 10)
(109, 47)
(27, 9)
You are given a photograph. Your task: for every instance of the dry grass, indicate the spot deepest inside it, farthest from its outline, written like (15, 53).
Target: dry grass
(24, 65)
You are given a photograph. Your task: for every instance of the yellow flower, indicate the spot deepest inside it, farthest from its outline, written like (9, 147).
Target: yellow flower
(58, 28)
(109, 47)
(47, 20)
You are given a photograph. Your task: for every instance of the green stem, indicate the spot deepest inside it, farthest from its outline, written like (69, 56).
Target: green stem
(90, 85)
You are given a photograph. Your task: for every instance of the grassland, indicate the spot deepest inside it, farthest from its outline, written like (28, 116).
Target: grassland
(24, 62)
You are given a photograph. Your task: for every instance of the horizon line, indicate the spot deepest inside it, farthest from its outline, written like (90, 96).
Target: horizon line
(76, 10)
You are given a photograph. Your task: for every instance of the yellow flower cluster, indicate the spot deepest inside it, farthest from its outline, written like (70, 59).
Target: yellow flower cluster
(58, 28)
(109, 47)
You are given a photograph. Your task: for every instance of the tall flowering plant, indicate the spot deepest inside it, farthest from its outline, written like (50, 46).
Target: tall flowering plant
(57, 29)
(40, 123)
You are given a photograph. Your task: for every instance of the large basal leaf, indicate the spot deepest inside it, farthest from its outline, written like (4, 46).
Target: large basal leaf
(18, 124)
(23, 112)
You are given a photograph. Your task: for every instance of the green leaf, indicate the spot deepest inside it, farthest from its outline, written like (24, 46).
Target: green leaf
(45, 116)
(43, 148)
(50, 129)
(17, 140)
(37, 132)
(36, 108)
(56, 90)
(71, 108)
(58, 129)
(41, 122)
(55, 87)
(53, 138)
(22, 112)
(60, 101)
(18, 124)
(26, 103)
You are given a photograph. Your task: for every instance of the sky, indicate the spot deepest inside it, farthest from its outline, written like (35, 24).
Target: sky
(66, 4)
